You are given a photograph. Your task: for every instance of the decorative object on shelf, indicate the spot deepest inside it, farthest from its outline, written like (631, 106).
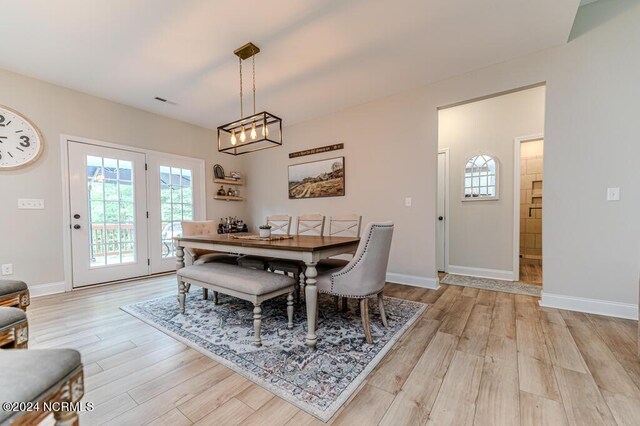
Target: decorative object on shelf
(236, 192)
(324, 178)
(218, 171)
(319, 150)
(221, 191)
(265, 231)
(22, 142)
(236, 175)
(480, 178)
(254, 132)
(230, 193)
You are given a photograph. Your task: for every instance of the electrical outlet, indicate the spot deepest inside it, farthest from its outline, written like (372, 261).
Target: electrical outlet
(31, 203)
(408, 201)
(7, 269)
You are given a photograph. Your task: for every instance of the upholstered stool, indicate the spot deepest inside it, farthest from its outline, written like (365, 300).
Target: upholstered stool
(14, 293)
(44, 375)
(14, 329)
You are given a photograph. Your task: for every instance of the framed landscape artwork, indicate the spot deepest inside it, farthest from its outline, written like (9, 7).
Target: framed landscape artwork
(323, 178)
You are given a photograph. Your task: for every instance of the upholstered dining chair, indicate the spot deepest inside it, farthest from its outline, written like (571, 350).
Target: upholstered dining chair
(346, 225)
(365, 274)
(195, 256)
(308, 224)
(280, 225)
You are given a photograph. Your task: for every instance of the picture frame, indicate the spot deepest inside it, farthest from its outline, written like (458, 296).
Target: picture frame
(317, 179)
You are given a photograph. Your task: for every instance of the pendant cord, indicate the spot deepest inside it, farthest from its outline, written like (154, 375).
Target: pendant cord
(241, 107)
(254, 83)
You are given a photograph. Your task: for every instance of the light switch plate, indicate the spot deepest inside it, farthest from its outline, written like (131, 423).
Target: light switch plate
(613, 194)
(408, 201)
(31, 203)
(7, 269)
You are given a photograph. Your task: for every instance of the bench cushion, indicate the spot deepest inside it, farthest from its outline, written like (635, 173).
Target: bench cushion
(326, 264)
(216, 257)
(233, 277)
(255, 262)
(285, 265)
(9, 316)
(11, 286)
(27, 374)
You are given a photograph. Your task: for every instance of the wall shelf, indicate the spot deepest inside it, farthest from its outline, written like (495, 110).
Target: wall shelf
(227, 198)
(229, 182)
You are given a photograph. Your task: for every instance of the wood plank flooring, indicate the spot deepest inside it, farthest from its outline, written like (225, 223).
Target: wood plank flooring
(475, 357)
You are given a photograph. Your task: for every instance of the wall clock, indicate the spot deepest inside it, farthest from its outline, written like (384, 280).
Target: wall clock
(21, 142)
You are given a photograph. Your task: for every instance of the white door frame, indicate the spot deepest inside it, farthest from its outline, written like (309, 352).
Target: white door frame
(517, 144)
(66, 207)
(447, 194)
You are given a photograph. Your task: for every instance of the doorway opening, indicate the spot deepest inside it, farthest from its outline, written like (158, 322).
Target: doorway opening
(529, 156)
(489, 215)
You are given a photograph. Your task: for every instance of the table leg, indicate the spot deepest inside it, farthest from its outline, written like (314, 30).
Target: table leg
(311, 298)
(181, 285)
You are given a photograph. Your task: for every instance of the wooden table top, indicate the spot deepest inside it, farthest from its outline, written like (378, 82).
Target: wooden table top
(297, 243)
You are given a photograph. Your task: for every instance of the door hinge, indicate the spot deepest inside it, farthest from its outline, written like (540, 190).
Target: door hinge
(147, 215)
(148, 262)
(145, 166)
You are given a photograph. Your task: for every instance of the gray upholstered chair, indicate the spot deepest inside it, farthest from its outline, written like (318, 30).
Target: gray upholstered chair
(365, 274)
(14, 328)
(14, 293)
(346, 225)
(308, 224)
(195, 256)
(280, 225)
(53, 376)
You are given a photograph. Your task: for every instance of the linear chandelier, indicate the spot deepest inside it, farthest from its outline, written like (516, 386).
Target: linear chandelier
(255, 132)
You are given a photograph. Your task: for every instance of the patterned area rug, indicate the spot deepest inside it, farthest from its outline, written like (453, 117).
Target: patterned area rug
(515, 287)
(318, 382)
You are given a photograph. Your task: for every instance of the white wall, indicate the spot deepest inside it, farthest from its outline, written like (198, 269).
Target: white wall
(32, 239)
(481, 232)
(591, 246)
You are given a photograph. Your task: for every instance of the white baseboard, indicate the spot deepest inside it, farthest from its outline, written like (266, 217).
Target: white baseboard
(590, 306)
(413, 280)
(45, 289)
(495, 274)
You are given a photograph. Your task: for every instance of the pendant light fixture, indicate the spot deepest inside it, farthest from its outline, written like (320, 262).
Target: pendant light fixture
(255, 132)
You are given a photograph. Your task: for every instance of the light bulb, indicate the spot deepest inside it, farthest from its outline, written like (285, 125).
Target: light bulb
(234, 140)
(265, 131)
(243, 135)
(254, 134)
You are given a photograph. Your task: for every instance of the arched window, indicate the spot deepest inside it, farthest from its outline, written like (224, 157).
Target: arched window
(481, 178)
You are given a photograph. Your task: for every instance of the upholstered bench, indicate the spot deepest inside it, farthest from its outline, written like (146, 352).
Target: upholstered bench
(14, 293)
(14, 329)
(251, 285)
(52, 378)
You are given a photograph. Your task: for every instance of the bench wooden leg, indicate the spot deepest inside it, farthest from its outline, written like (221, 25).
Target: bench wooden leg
(181, 295)
(383, 314)
(290, 310)
(66, 418)
(257, 323)
(205, 293)
(215, 297)
(345, 304)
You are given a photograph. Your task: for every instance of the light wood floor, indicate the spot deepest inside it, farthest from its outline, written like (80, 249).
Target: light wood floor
(530, 273)
(475, 356)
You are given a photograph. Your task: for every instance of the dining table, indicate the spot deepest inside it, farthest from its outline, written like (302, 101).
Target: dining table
(306, 248)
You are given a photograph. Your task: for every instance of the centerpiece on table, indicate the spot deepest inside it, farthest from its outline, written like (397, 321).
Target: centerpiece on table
(265, 231)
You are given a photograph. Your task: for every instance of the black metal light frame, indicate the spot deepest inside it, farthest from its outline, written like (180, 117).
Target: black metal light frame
(260, 119)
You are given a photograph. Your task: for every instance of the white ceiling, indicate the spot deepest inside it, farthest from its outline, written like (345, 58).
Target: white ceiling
(318, 56)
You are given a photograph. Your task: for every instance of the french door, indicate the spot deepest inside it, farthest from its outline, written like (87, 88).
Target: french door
(125, 209)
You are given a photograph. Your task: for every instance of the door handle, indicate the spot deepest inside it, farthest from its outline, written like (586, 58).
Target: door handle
(440, 218)
(76, 216)
(76, 226)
